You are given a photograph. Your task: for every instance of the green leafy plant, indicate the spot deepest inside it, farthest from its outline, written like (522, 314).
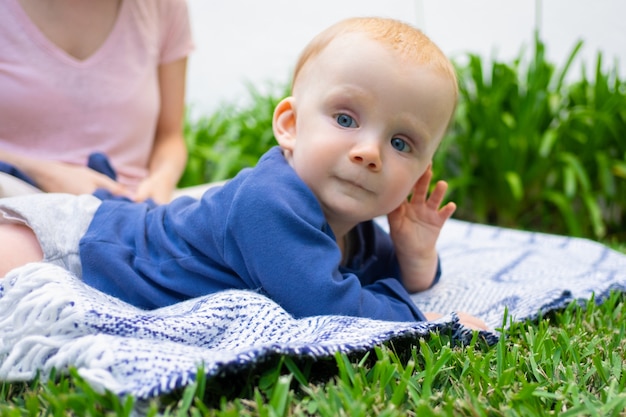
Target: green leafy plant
(526, 150)
(232, 138)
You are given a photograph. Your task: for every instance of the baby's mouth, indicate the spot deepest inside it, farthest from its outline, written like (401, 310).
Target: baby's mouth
(354, 184)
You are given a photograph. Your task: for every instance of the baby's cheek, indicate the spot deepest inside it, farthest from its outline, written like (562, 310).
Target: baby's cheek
(396, 202)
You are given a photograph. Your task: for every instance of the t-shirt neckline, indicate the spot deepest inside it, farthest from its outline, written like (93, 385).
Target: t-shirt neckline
(56, 51)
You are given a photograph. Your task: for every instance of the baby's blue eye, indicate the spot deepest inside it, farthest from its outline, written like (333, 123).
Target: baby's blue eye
(345, 120)
(400, 145)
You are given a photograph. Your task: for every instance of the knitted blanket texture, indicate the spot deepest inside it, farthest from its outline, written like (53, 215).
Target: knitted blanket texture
(50, 320)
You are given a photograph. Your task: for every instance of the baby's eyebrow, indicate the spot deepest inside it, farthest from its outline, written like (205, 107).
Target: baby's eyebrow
(347, 92)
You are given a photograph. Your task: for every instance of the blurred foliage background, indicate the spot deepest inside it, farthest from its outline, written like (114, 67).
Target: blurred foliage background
(528, 148)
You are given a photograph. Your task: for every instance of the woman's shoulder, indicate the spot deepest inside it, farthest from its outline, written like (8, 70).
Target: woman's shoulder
(160, 5)
(168, 13)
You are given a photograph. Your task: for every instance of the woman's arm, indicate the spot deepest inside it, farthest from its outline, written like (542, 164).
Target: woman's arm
(61, 177)
(169, 153)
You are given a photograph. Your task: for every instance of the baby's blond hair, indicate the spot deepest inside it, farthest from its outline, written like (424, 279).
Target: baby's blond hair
(407, 40)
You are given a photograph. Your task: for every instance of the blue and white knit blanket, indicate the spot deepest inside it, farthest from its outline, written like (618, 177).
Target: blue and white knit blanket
(49, 319)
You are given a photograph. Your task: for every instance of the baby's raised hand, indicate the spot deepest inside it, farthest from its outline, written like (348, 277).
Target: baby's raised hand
(414, 228)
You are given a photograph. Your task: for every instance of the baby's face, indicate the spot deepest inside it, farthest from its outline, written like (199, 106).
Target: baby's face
(366, 127)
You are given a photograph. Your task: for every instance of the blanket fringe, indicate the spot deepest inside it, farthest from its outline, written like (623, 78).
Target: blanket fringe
(35, 325)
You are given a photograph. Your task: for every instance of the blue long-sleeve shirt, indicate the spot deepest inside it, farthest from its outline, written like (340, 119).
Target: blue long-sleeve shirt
(264, 230)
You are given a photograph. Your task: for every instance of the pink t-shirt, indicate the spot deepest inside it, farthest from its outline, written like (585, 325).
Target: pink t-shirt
(57, 107)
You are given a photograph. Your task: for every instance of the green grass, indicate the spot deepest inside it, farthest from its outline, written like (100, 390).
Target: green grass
(570, 363)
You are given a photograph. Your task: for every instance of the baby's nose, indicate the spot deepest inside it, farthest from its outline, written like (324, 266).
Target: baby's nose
(366, 153)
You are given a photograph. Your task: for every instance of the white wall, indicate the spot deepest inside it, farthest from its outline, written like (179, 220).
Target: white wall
(502, 27)
(251, 41)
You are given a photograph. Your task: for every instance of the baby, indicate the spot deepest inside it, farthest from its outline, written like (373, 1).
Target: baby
(371, 100)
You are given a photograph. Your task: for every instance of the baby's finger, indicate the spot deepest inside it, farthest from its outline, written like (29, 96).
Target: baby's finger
(420, 189)
(447, 211)
(437, 195)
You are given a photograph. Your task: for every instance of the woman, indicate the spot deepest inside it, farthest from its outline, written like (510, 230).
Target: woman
(94, 78)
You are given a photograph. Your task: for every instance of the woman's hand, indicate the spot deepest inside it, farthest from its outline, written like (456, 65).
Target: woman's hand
(60, 177)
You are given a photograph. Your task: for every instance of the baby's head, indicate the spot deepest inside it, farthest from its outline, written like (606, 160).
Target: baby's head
(371, 100)
(409, 42)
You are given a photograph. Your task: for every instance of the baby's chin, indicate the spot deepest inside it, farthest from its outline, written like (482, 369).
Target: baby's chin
(347, 214)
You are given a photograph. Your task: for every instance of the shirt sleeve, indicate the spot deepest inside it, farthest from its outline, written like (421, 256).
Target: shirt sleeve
(176, 38)
(280, 243)
(376, 256)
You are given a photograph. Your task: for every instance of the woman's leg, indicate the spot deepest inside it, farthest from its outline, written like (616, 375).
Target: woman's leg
(18, 246)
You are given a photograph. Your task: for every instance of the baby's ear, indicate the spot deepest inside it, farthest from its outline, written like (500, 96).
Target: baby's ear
(284, 123)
